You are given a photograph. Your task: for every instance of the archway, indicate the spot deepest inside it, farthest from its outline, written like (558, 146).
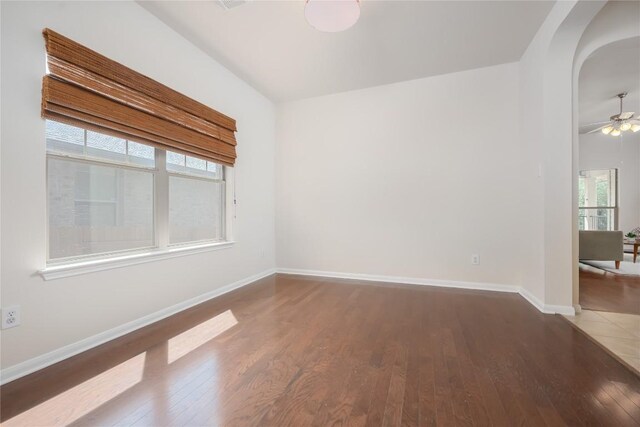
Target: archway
(612, 163)
(549, 125)
(616, 23)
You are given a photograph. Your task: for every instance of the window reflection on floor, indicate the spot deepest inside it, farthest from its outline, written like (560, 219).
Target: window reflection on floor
(78, 401)
(193, 338)
(90, 400)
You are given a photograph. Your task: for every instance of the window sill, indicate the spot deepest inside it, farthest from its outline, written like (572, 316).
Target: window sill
(91, 266)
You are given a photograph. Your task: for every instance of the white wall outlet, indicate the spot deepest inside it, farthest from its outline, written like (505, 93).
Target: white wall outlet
(475, 259)
(10, 316)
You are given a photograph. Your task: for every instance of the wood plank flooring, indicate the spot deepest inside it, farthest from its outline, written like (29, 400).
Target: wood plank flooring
(604, 291)
(301, 351)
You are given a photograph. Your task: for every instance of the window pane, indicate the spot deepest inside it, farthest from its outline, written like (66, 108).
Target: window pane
(95, 209)
(67, 139)
(141, 154)
(64, 138)
(215, 170)
(106, 147)
(597, 219)
(597, 199)
(192, 166)
(195, 210)
(597, 188)
(174, 159)
(197, 164)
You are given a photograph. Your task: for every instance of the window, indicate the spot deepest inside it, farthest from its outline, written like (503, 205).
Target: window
(598, 199)
(108, 195)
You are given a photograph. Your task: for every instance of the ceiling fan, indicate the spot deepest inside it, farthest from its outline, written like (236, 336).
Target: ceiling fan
(618, 123)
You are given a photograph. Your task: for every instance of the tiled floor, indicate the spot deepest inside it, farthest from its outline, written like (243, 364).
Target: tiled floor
(618, 332)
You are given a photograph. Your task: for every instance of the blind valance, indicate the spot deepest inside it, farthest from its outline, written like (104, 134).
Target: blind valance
(86, 89)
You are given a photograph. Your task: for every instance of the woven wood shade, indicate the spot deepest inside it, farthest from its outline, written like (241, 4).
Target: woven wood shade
(86, 89)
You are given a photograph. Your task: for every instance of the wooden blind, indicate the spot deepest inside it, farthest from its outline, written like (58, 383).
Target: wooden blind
(86, 89)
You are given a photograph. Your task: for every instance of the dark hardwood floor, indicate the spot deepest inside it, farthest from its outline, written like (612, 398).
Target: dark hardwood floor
(604, 291)
(299, 351)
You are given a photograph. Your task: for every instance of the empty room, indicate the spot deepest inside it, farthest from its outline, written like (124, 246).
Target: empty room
(319, 213)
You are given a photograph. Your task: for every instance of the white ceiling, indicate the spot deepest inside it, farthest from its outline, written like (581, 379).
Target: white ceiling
(270, 45)
(610, 70)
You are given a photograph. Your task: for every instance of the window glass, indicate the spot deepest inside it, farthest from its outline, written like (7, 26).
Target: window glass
(106, 147)
(215, 170)
(195, 209)
(140, 154)
(193, 166)
(198, 164)
(101, 191)
(63, 138)
(597, 188)
(597, 198)
(174, 159)
(96, 209)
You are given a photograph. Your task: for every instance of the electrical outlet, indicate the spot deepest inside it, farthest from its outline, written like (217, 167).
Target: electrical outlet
(10, 317)
(475, 259)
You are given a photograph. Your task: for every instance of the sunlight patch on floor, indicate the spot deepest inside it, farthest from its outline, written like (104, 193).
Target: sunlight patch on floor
(186, 342)
(80, 400)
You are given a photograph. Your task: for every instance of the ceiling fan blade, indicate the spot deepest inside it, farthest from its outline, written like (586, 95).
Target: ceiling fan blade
(626, 115)
(595, 124)
(584, 132)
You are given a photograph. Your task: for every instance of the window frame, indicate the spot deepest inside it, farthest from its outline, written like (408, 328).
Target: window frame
(165, 175)
(101, 255)
(161, 248)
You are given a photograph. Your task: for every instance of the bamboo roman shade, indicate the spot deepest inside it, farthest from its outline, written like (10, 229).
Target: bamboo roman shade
(86, 89)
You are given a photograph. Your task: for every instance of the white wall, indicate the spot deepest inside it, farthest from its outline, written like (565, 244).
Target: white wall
(63, 311)
(598, 151)
(549, 133)
(549, 158)
(408, 179)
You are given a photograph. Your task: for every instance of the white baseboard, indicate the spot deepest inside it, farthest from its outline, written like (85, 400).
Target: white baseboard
(24, 368)
(404, 280)
(567, 310)
(547, 308)
(544, 308)
(532, 299)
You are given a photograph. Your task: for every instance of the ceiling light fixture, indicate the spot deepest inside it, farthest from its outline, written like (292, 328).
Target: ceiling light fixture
(332, 16)
(618, 123)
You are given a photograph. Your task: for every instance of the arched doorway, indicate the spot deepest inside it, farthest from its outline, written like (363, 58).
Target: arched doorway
(617, 22)
(549, 126)
(609, 171)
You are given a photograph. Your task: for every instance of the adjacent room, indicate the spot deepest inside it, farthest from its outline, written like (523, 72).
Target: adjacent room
(609, 199)
(319, 212)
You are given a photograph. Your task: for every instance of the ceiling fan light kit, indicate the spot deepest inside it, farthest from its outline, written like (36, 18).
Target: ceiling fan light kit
(620, 122)
(332, 16)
